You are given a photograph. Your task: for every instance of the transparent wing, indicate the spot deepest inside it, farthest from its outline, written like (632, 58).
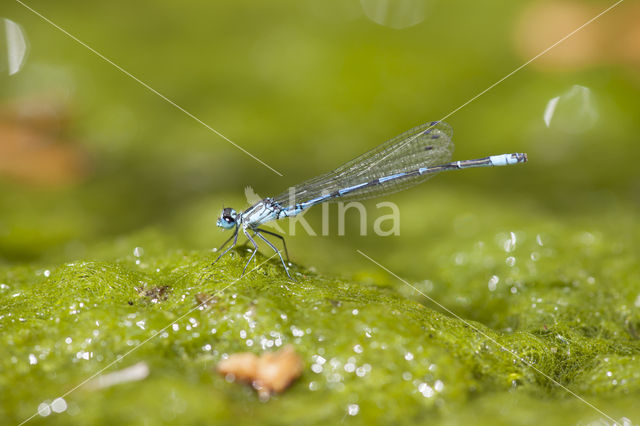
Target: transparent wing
(424, 146)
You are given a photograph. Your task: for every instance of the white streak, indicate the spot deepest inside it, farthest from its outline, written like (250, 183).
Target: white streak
(550, 109)
(16, 46)
(134, 373)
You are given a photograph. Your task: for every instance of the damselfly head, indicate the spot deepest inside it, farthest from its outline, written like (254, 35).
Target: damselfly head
(227, 219)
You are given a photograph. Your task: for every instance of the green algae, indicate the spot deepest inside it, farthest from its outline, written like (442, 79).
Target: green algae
(374, 349)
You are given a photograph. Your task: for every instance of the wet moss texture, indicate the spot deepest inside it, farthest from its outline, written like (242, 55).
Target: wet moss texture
(528, 325)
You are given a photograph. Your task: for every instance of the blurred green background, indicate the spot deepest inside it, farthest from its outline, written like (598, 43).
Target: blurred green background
(305, 86)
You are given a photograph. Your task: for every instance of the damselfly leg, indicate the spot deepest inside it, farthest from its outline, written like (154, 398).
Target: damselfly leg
(234, 237)
(255, 250)
(257, 231)
(284, 244)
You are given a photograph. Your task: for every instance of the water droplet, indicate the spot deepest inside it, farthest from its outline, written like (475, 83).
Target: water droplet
(319, 360)
(426, 390)
(15, 47)
(493, 282)
(510, 244)
(353, 409)
(573, 111)
(397, 14)
(510, 261)
(59, 405)
(44, 410)
(138, 252)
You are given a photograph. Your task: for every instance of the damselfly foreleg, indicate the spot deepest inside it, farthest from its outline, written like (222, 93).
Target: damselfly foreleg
(252, 254)
(234, 237)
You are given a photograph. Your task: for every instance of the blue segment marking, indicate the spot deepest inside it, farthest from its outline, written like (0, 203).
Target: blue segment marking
(351, 188)
(314, 201)
(386, 178)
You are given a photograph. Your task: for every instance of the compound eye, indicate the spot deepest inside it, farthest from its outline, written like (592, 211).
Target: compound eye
(228, 219)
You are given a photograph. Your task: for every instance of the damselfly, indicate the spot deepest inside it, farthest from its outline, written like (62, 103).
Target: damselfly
(402, 162)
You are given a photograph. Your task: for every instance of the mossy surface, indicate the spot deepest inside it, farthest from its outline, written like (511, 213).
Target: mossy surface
(538, 307)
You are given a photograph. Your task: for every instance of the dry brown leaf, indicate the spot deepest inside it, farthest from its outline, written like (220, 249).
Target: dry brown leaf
(271, 372)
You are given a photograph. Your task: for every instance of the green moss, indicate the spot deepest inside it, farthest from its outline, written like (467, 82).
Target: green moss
(374, 346)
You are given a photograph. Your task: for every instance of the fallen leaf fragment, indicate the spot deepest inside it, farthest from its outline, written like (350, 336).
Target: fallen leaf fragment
(271, 372)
